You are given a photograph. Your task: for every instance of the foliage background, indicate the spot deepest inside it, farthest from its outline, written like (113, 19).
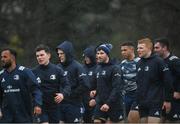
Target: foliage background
(27, 23)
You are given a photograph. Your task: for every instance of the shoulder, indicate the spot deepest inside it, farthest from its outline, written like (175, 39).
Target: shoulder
(59, 65)
(1, 72)
(21, 68)
(157, 59)
(137, 59)
(24, 70)
(174, 61)
(115, 67)
(53, 66)
(123, 61)
(173, 57)
(77, 65)
(59, 68)
(35, 68)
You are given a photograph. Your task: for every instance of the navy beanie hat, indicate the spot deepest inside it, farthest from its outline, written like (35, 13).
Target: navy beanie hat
(105, 47)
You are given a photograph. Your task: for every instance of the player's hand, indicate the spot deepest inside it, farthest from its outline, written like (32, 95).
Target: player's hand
(92, 93)
(59, 97)
(167, 106)
(176, 95)
(1, 114)
(104, 108)
(92, 102)
(37, 110)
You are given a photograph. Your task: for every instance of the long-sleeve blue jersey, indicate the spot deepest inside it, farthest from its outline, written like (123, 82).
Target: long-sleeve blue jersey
(17, 89)
(78, 80)
(52, 80)
(128, 70)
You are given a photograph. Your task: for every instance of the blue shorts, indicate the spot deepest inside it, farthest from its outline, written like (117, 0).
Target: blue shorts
(152, 111)
(114, 114)
(129, 100)
(71, 113)
(135, 106)
(174, 114)
(88, 115)
(50, 115)
(15, 117)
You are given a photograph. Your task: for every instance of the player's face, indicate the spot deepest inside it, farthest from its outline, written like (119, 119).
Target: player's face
(6, 59)
(42, 57)
(158, 49)
(87, 60)
(126, 51)
(101, 57)
(61, 56)
(142, 50)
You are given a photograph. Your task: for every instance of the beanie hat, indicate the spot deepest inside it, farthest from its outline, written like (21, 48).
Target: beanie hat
(105, 47)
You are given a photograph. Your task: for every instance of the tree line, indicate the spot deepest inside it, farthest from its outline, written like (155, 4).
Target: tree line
(27, 23)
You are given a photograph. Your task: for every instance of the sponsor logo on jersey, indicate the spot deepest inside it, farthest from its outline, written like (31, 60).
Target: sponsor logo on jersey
(156, 113)
(173, 57)
(11, 90)
(38, 80)
(117, 74)
(9, 87)
(120, 117)
(90, 73)
(76, 120)
(65, 73)
(165, 69)
(3, 80)
(82, 74)
(139, 69)
(21, 68)
(136, 107)
(175, 116)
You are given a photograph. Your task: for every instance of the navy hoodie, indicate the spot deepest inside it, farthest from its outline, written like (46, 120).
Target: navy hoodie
(91, 67)
(90, 70)
(17, 87)
(154, 81)
(75, 72)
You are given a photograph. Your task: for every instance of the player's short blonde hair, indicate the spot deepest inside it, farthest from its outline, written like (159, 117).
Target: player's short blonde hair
(147, 41)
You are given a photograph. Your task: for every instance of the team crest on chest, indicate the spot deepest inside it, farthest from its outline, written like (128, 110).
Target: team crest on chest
(103, 72)
(9, 87)
(16, 77)
(133, 66)
(53, 77)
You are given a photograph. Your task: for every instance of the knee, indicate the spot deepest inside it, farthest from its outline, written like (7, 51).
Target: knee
(99, 121)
